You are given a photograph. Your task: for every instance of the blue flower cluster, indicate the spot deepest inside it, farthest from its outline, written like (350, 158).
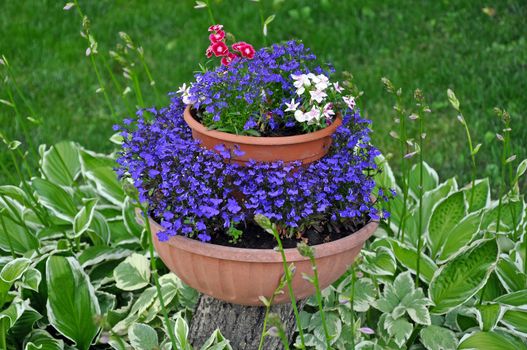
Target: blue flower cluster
(198, 193)
(232, 98)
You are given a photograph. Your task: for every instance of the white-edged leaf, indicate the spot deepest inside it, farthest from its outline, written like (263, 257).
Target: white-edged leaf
(438, 338)
(55, 198)
(83, 219)
(14, 270)
(461, 278)
(72, 305)
(143, 337)
(491, 341)
(60, 163)
(133, 273)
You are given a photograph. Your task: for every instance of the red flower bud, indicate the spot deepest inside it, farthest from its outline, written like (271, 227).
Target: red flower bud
(215, 28)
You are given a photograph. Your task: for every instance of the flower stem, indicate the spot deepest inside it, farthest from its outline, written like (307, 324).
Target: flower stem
(473, 158)
(319, 301)
(290, 288)
(352, 300)
(209, 10)
(419, 97)
(153, 267)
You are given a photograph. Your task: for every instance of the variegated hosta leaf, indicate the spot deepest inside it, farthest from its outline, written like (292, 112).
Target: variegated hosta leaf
(512, 212)
(480, 197)
(460, 236)
(518, 299)
(333, 323)
(488, 316)
(143, 337)
(83, 219)
(381, 262)
(133, 273)
(39, 339)
(430, 200)
(516, 321)
(491, 341)
(407, 256)
(510, 276)
(16, 237)
(446, 215)
(55, 198)
(60, 163)
(72, 305)
(457, 281)
(438, 338)
(430, 178)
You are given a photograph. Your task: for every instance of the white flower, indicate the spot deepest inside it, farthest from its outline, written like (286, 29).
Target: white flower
(300, 90)
(182, 89)
(300, 116)
(337, 87)
(350, 101)
(318, 95)
(291, 107)
(321, 85)
(327, 111)
(301, 80)
(313, 116)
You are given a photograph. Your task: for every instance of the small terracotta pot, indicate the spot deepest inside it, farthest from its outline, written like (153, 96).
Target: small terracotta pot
(306, 147)
(240, 276)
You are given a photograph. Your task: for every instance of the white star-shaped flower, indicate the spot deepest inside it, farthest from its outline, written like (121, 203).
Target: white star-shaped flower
(291, 107)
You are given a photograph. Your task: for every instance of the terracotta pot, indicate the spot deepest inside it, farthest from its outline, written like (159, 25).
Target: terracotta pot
(240, 276)
(306, 148)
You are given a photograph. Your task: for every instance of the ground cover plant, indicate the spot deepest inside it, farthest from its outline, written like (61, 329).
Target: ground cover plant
(447, 269)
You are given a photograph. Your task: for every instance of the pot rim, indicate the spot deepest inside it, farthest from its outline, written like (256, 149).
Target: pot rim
(256, 140)
(267, 255)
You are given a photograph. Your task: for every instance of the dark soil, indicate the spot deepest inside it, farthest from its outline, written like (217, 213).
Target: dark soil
(255, 237)
(292, 131)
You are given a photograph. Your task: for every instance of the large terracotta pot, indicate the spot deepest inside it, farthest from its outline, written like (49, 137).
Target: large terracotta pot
(306, 148)
(240, 276)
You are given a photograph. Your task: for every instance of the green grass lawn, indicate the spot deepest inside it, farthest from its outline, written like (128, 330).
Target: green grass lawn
(432, 45)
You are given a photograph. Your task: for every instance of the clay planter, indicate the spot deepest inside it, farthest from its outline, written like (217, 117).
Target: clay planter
(306, 148)
(240, 276)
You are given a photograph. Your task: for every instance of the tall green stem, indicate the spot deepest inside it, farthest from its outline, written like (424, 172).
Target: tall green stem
(352, 300)
(404, 171)
(421, 181)
(319, 301)
(290, 288)
(153, 267)
(473, 159)
(209, 11)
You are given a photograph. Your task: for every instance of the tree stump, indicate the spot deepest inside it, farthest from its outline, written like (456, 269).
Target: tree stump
(242, 325)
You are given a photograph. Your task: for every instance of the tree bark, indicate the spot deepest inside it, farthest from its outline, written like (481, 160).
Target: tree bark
(242, 325)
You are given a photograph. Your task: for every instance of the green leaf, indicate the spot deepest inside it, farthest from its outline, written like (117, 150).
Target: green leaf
(407, 256)
(515, 320)
(60, 163)
(381, 262)
(509, 209)
(55, 198)
(430, 178)
(16, 236)
(445, 217)
(518, 298)
(14, 270)
(488, 316)
(83, 219)
(96, 254)
(107, 184)
(31, 279)
(99, 231)
(143, 337)
(481, 194)
(510, 276)
(400, 329)
(438, 338)
(24, 325)
(363, 293)
(491, 341)
(522, 167)
(39, 339)
(457, 281)
(460, 236)
(181, 332)
(129, 218)
(72, 305)
(216, 341)
(133, 273)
